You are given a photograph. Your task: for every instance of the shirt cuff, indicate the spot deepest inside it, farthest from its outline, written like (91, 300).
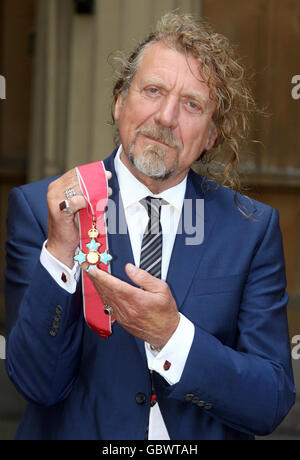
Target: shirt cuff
(63, 275)
(170, 361)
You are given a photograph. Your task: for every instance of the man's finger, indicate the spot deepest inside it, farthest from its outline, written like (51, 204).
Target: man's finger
(144, 279)
(105, 280)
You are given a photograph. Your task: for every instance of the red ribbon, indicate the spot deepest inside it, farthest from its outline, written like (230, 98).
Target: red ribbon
(94, 188)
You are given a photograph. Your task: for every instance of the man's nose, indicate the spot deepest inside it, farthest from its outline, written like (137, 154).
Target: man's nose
(167, 113)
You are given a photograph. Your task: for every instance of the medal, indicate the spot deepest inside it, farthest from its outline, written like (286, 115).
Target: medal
(93, 257)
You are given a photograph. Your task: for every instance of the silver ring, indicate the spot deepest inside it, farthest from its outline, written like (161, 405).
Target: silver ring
(64, 206)
(69, 193)
(108, 310)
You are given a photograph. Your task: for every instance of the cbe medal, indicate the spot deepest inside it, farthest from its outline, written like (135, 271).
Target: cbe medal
(93, 243)
(93, 257)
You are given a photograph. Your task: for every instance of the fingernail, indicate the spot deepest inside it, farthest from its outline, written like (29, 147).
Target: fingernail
(90, 270)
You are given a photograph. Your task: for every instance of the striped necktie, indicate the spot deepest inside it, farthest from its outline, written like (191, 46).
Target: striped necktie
(151, 251)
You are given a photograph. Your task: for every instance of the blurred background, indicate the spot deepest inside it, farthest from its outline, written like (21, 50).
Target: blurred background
(54, 55)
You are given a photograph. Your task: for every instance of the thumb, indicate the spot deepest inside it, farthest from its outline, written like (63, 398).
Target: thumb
(143, 278)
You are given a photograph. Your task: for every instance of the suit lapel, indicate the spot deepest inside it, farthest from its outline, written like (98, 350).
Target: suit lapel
(186, 255)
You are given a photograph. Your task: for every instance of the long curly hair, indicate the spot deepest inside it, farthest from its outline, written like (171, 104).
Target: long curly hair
(223, 74)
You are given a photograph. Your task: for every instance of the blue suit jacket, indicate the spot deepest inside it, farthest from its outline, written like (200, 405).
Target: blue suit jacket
(237, 381)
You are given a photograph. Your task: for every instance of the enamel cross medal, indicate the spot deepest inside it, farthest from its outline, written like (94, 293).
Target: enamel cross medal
(93, 257)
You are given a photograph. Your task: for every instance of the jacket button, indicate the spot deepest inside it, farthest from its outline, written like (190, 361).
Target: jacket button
(201, 403)
(140, 398)
(53, 331)
(56, 322)
(58, 310)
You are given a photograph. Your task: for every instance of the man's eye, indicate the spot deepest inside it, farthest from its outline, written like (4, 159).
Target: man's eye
(152, 90)
(193, 106)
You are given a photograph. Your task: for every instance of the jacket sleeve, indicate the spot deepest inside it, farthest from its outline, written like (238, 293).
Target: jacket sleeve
(44, 322)
(249, 387)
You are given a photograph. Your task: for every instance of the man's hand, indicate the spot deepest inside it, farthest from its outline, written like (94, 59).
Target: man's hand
(150, 313)
(63, 234)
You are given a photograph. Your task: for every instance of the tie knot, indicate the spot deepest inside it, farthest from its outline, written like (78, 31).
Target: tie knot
(152, 206)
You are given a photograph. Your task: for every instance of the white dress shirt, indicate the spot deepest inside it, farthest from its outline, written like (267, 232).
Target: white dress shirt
(177, 349)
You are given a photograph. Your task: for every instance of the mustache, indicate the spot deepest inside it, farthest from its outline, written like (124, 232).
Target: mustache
(161, 134)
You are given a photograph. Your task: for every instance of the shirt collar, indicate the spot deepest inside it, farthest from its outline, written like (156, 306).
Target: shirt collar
(132, 190)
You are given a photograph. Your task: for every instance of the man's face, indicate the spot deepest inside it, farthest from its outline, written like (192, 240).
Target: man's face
(165, 120)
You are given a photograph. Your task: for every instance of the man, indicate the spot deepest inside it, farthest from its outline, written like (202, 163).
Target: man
(206, 332)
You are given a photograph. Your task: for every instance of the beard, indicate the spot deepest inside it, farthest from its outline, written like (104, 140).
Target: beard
(152, 160)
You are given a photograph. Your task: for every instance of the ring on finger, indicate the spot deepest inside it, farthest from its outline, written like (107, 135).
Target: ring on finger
(64, 206)
(69, 193)
(108, 310)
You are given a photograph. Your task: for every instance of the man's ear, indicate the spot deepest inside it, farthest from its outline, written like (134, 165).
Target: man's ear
(118, 106)
(212, 136)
